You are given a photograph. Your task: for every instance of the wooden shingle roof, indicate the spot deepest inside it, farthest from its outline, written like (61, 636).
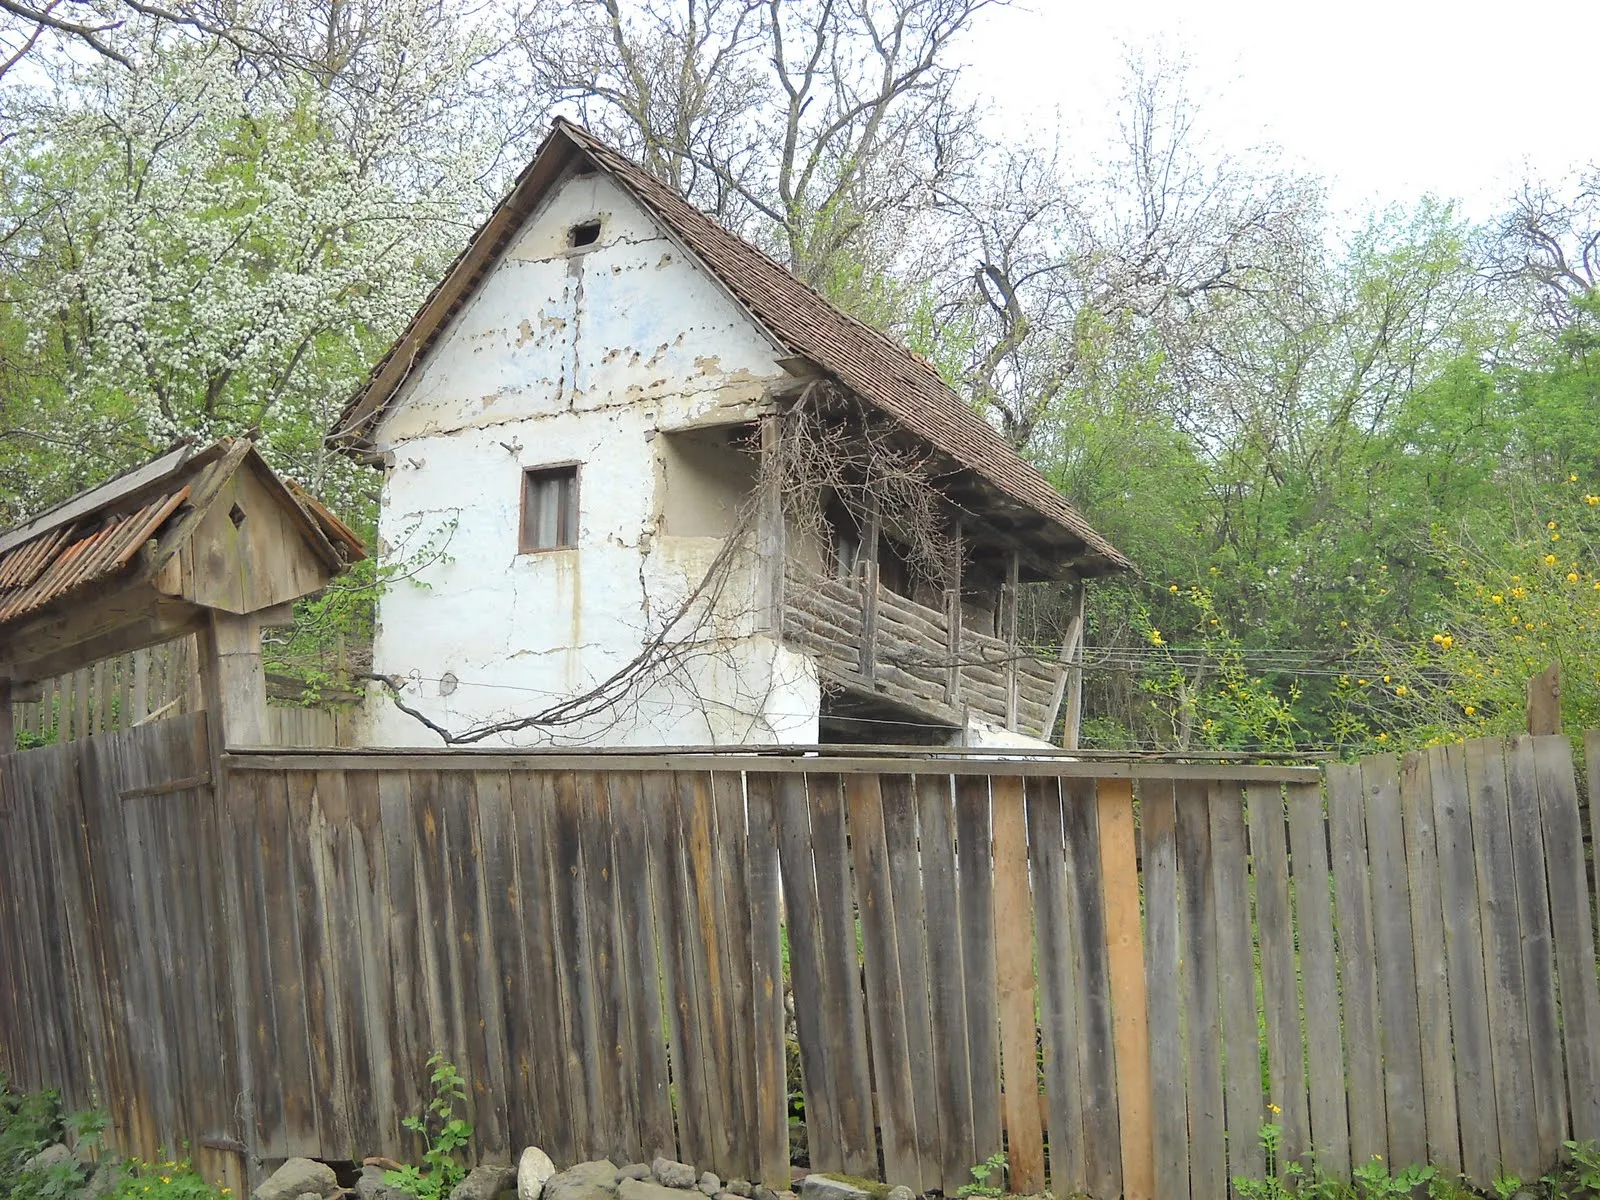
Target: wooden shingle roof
(876, 368)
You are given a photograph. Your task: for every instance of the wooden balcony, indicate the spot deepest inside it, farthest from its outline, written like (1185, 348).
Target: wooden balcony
(870, 643)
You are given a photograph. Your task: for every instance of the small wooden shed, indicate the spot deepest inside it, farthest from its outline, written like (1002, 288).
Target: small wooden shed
(206, 541)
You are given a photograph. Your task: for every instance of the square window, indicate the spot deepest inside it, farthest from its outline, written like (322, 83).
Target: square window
(549, 508)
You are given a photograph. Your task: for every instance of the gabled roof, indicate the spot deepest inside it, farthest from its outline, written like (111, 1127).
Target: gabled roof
(880, 371)
(98, 534)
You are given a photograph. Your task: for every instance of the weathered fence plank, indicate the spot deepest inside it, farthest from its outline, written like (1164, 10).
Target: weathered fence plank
(1428, 950)
(1197, 917)
(975, 869)
(1396, 961)
(1125, 970)
(1241, 1037)
(1574, 929)
(1013, 913)
(1163, 962)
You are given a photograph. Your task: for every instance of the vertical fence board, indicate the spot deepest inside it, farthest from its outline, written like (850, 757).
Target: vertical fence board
(539, 1019)
(1058, 986)
(704, 939)
(766, 952)
(887, 993)
(1497, 904)
(1358, 968)
(609, 1061)
(563, 828)
(1241, 1036)
(947, 980)
(1013, 930)
(1573, 923)
(1163, 956)
(1397, 971)
(1463, 941)
(1096, 1028)
(663, 802)
(1538, 959)
(647, 1033)
(1197, 916)
(1432, 980)
(1310, 871)
(1269, 867)
(734, 996)
(975, 869)
(1119, 875)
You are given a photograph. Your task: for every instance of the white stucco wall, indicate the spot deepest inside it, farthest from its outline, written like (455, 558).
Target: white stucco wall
(579, 356)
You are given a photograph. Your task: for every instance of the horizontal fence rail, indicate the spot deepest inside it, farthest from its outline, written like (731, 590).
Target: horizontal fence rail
(1116, 971)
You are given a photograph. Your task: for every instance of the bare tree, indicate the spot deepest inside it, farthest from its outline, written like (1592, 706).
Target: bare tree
(1547, 247)
(805, 124)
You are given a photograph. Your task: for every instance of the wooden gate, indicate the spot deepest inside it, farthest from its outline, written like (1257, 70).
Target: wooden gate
(113, 976)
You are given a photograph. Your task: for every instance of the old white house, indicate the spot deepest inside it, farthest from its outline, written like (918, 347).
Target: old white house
(653, 491)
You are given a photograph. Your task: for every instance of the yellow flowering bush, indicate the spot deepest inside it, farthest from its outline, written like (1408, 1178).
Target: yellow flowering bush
(1512, 608)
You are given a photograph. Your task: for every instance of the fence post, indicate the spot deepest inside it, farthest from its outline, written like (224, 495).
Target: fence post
(1544, 701)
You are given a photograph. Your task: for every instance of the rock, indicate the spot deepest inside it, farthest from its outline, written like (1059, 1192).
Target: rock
(103, 1182)
(299, 1177)
(595, 1180)
(763, 1192)
(533, 1169)
(485, 1183)
(387, 1164)
(829, 1187)
(308, 1196)
(633, 1171)
(741, 1188)
(900, 1192)
(646, 1189)
(709, 1184)
(50, 1156)
(672, 1174)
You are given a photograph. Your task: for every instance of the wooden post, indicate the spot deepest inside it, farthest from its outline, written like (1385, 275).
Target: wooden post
(1014, 985)
(1544, 701)
(1070, 673)
(8, 729)
(869, 594)
(233, 681)
(771, 549)
(952, 681)
(1012, 636)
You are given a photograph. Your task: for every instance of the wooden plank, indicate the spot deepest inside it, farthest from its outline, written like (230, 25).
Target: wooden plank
(1124, 937)
(1463, 940)
(845, 1022)
(766, 954)
(405, 1037)
(1574, 929)
(952, 1060)
(314, 905)
(1397, 971)
(1325, 1082)
(1433, 985)
(1538, 952)
(734, 1000)
(1097, 1068)
(1059, 998)
(438, 964)
(614, 1120)
(540, 1021)
(799, 873)
(482, 998)
(975, 870)
(369, 893)
(703, 944)
(1269, 868)
(1013, 933)
(1208, 1156)
(887, 994)
(906, 880)
(1241, 1037)
(646, 1031)
(1508, 1018)
(1358, 970)
(1170, 1120)
(576, 965)
(662, 806)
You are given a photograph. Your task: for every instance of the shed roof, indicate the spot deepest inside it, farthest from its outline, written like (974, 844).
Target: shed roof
(97, 534)
(881, 371)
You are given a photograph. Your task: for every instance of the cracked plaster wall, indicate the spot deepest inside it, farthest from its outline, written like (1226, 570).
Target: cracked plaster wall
(579, 356)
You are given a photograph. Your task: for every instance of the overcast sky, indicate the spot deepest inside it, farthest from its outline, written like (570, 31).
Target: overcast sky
(1385, 100)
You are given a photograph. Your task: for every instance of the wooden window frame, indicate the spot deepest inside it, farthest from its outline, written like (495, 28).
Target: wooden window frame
(525, 543)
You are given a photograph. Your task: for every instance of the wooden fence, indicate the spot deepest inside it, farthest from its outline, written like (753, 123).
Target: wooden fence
(1116, 971)
(150, 684)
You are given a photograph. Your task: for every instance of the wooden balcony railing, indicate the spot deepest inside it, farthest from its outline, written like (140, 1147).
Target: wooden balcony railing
(871, 639)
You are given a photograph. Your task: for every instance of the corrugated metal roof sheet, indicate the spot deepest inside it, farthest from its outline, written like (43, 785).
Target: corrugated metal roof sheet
(879, 370)
(68, 557)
